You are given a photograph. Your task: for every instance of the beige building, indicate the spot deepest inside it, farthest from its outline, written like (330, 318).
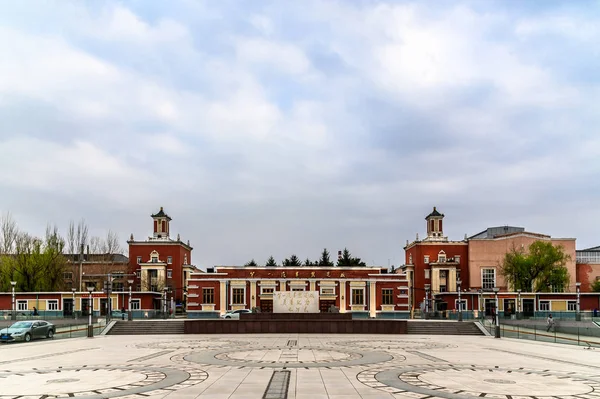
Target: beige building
(488, 248)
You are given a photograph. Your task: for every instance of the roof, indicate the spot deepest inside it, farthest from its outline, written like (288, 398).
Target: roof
(493, 232)
(593, 249)
(161, 214)
(434, 213)
(115, 258)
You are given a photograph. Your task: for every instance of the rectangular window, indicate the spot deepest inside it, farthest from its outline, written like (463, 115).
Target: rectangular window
(327, 291)
(298, 289)
(358, 296)
(68, 276)
(387, 296)
(572, 305)
(169, 273)
(139, 260)
(461, 305)
(135, 304)
(488, 278)
(441, 258)
(52, 304)
(457, 274)
(544, 305)
(208, 295)
(266, 290)
(443, 288)
(426, 259)
(238, 296)
(169, 260)
(426, 273)
(21, 305)
(138, 288)
(457, 259)
(138, 274)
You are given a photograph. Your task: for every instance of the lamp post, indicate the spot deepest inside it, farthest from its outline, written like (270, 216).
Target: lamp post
(73, 307)
(497, 327)
(129, 314)
(479, 305)
(459, 301)
(519, 304)
(578, 315)
(90, 333)
(165, 302)
(427, 287)
(13, 315)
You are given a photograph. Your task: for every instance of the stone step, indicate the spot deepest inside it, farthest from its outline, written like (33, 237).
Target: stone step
(147, 327)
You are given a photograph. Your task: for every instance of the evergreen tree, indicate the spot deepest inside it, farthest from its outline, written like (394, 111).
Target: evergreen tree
(324, 260)
(292, 261)
(271, 262)
(251, 263)
(348, 260)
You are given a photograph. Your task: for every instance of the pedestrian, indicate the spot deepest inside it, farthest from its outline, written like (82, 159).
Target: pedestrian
(550, 322)
(35, 311)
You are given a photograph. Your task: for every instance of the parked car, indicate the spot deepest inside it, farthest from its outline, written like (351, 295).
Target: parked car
(27, 330)
(235, 314)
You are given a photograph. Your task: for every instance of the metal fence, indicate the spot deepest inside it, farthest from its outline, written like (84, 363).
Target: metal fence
(67, 330)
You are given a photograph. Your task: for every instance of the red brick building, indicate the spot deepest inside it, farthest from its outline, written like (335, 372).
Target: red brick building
(161, 262)
(366, 291)
(434, 264)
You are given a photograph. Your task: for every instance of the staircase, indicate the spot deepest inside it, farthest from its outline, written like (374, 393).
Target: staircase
(442, 328)
(153, 327)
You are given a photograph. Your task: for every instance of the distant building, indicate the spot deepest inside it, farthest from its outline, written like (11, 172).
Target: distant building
(588, 267)
(84, 270)
(160, 262)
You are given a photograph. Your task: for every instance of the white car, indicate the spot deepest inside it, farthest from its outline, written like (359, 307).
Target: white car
(234, 314)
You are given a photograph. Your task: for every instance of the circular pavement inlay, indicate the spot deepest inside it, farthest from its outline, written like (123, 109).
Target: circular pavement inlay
(394, 344)
(456, 381)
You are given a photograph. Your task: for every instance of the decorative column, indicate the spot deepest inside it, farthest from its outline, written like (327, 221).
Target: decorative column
(222, 297)
(578, 315)
(253, 295)
(282, 285)
(372, 299)
(312, 285)
(343, 296)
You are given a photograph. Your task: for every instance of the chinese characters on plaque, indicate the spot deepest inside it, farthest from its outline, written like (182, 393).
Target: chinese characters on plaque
(296, 302)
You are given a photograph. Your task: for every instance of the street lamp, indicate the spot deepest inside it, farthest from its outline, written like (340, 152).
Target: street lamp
(497, 329)
(165, 302)
(578, 315)
(73, 308)
(90, 333)
(519, 304)
(13, 315)
(427, 287)
(129, 314)
(459, 301)
(479, 307)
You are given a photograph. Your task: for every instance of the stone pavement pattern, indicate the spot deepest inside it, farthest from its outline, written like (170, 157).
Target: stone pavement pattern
(299, 366)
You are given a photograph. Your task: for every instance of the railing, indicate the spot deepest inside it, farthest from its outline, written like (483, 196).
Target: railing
(67, 330)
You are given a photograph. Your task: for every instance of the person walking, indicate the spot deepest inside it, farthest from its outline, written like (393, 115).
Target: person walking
(550, 322)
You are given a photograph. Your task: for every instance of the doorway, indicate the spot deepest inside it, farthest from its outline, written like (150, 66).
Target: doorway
(528, 307)
(266, 306)
(67, 307)
(490, 307)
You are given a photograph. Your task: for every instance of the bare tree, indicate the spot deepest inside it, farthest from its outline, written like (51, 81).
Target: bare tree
(8, 234)
(82, 234)
(96, 245)
(111, 243)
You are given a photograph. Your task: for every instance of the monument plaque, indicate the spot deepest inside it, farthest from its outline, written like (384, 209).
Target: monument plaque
(296, 302)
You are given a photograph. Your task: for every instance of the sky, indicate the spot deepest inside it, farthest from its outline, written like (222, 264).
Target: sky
(284, 127)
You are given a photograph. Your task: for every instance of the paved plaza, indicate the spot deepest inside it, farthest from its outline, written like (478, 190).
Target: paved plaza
(298, 366)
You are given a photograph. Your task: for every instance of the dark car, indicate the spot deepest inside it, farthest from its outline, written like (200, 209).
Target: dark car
(27, 330)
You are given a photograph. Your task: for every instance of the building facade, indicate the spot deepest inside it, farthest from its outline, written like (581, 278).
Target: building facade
(588, 267)
(161, 263)
(365, 291)
(434, 264)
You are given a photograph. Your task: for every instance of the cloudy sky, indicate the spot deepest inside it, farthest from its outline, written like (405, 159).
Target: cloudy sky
(287, 126)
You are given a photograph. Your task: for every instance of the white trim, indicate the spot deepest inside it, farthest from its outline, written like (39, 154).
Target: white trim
(352, 296)
(138, 301)
(463, 302)
(21, 301)
(53, 300)
(237, 287)
(481, 269)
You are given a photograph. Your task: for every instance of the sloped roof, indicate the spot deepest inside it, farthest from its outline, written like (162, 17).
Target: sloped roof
(593, 249)
(161, 214)
(434, 213)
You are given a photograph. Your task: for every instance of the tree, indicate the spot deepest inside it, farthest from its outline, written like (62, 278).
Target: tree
(292, 261)
(251, 263)
(348, 260)
(8, 234)
(76, 237)
(324, 260)
(596, 286)
(541, 268)
(271, 261)
(308, 262)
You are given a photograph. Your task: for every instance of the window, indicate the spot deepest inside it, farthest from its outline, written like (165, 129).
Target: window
(441, 257)
(298, 289)
(238, 296)
(572, 305)
(139, 260)
(169, 260)
(427, 271)
(154, 259)
(488, 278)
(327, 291)
(208, 295)
(387, 296)
(266, 290)
(138, 274)
(410, 259)
(135, 304)
(457, 274)
(358, 296)
(457, 259)
(138, 288)
(22, 305)
(169, 273)
(52, 304)
(68, 276)
(544, 305)
(462, 305)
(426, 259)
